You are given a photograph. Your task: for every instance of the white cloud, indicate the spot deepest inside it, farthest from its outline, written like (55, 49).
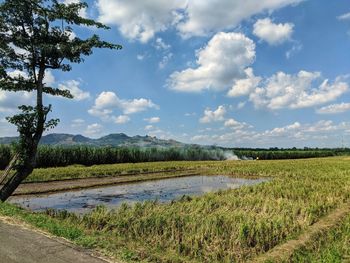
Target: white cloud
(94, 129)
(236, 125)
(77, 123)
(334, 108)
(220, 63)
(165, 60)
(190, 114)
(282, 131)
(107, 101)
(294, 134)
(149, 127)
(82, 13)
(161, 45)
(139, 20)
(137, 105)
(121, 119)
(140, 57)
(272, 33)
(203, 17)
(49, 78)
(73, 87)
(9, 101)
(345, 16)
(152, 120)
(244, 86)
(297, 47)
(213, 116)
(297, 91)
(7, 129)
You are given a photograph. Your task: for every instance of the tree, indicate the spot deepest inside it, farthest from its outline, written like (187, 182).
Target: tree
(36, 36)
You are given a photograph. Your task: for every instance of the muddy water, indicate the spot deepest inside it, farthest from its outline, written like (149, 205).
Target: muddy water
(165, 190)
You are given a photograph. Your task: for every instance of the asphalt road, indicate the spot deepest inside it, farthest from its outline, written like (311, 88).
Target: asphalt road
(21, 245)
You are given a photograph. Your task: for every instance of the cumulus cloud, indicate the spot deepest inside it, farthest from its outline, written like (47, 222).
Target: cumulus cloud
(236, 125)
(107, 101)
(152, 120)
(244, 86)
(141, 20)
(201, 18)
(294, 134)
(334, 108)
(272, 33)
(297, 91)
(219, 64)
(73, 87)
(213, 116)
(94, 129)
(121, 119)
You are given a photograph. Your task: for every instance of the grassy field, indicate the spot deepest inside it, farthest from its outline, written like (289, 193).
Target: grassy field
(227, 226)
(80, 171)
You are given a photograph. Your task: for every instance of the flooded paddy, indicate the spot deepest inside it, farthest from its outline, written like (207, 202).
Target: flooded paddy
(165, 190)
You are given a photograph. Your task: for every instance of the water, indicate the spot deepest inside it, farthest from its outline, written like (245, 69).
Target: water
(165, 190)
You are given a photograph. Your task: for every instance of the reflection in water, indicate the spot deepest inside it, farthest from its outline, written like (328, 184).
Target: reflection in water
(165, 190)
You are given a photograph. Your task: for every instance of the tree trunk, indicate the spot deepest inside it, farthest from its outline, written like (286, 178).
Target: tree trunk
(28, 143)
(21, 173)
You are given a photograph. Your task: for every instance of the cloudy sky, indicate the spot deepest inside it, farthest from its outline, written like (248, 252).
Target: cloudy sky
(251, 73)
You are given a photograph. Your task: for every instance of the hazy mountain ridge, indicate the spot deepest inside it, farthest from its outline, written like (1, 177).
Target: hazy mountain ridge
(116, 139)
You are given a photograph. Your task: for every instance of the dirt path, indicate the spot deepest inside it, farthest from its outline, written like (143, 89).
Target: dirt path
(284, 252)
(64, 185)
(19, 244)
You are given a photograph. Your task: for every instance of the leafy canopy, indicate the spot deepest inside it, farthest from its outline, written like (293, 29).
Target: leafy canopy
(37, 35)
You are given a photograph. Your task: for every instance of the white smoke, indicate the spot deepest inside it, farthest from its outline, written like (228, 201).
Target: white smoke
(230, 156)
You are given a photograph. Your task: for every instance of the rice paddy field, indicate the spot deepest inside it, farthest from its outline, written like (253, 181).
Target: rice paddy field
(236, 225)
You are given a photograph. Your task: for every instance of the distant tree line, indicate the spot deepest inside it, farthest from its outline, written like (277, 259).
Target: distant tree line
(58, 156)
(290, 153)
(54, 156)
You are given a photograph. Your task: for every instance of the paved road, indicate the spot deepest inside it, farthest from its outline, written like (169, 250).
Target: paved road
(21, 245)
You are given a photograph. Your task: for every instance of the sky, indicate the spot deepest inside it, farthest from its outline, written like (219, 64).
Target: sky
(234, 73)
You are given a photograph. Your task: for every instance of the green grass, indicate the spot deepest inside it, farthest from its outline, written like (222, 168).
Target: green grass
(227, 226)
(79, 171)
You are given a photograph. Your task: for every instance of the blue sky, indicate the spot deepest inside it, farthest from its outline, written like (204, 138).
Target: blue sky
(252, 73)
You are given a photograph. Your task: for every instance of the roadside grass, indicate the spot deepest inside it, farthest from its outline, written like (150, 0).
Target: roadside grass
(226, 226)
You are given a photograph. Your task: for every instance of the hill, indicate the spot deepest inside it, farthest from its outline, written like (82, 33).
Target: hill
(116, 139)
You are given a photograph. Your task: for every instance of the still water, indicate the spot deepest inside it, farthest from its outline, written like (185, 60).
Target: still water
(165, 190)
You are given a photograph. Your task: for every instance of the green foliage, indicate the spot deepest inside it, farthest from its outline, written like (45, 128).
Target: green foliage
(35, 36)
(274, 154)
(49, 156)
(58, 156)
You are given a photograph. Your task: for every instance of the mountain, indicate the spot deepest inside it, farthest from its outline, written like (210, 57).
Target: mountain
(117, 139)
